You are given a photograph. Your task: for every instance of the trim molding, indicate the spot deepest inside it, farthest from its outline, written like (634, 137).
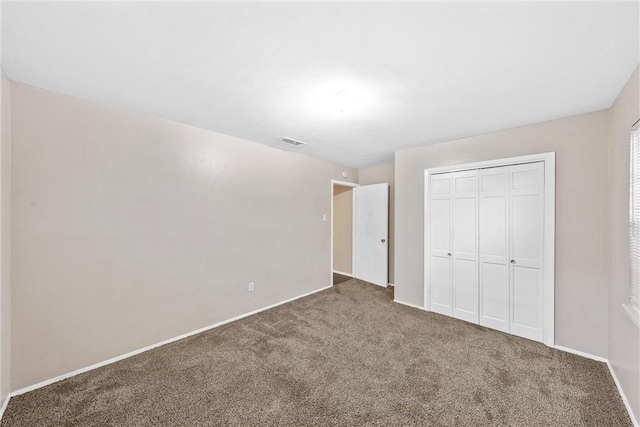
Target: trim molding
(4, 405)
(409, 305)
(391, 284)
(342, 273)
(581, 353)
(624, 398)
(152, 346)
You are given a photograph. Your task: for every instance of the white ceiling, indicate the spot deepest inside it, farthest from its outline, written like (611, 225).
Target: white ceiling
(413, 73)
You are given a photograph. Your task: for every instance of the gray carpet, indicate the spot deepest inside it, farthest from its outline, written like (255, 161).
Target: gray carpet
(344, 356)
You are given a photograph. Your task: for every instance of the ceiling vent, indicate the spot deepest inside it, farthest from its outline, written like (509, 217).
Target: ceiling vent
(289, 144)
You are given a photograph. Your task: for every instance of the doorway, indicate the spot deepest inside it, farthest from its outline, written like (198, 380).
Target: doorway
(342, 231)
(359, 231)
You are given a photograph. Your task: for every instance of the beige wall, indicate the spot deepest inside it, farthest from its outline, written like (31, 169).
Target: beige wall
(152, 227)
(624, 345)
(5, 236)
(342, 228)
(129, 230)
(581, 146)
(377, 175)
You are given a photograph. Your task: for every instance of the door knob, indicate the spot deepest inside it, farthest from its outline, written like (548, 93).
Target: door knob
(383, 240)
(513, 261)
(449, 253)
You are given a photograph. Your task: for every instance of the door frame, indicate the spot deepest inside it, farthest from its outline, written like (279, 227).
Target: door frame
(353, 229)
(549, 160)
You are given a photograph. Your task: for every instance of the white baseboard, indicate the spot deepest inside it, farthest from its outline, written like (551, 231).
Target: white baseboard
(622, 395)
(391, 284)
(409, 305)
(581, 353)
(4, 405)
(152, 346)
(342, 273)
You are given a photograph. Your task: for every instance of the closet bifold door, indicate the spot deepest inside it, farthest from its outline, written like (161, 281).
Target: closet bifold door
(440, 199)
(494, 248)
(464, 227)
(527, 250)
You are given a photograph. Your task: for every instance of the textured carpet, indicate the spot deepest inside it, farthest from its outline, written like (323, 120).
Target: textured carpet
(344, 356)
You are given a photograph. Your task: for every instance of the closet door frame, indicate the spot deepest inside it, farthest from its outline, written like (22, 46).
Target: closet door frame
(549, 160)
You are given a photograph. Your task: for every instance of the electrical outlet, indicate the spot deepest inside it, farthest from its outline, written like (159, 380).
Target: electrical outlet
(324, 217)
(251, 286)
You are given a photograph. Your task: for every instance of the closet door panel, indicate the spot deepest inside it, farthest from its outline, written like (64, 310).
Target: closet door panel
(494, 248)
(466, 290)
(526, 287)
(466, 182)
(465, 245)
(441, 285)
(465, 227)
(526, 247)
(440, 268)
(493, 228)
(440, 226)
(527, 229)
(494, 302)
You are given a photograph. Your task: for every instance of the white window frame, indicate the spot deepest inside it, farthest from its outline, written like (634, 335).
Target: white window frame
(632, 306)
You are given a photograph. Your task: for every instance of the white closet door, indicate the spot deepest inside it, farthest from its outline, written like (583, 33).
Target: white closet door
(526, 247)
(494, 248)
(465, 245)
(440, 217)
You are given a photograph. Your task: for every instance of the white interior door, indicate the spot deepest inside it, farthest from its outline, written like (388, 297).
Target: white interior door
(494, 248)
(371, 233)
(464, 223)
(526, 241)
(440, 200)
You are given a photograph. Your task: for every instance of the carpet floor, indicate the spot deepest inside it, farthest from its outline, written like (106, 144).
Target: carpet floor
(344, 356)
